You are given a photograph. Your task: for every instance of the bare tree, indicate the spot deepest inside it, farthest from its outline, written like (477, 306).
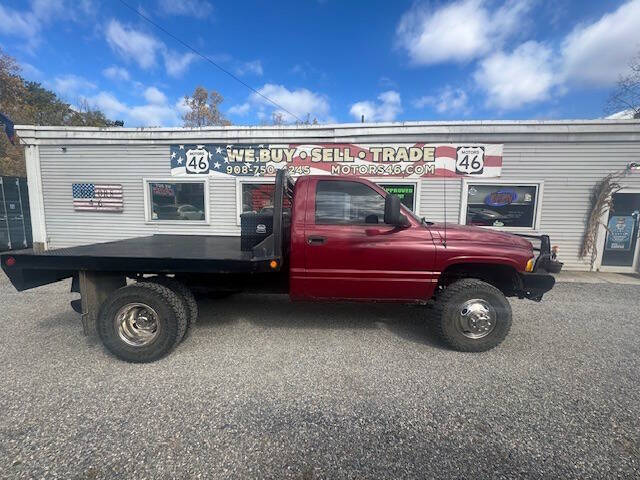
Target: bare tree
(626, 96)
(204, 109)
(277, 118)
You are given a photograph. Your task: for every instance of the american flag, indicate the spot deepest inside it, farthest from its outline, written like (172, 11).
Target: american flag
(96, 197)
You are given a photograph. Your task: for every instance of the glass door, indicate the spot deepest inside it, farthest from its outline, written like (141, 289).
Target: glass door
(621, 244)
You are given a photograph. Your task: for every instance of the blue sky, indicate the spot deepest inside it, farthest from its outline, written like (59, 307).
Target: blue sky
(334, 60)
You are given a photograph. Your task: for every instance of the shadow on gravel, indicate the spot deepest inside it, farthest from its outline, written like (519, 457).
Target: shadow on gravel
(409, 322)
(66, 319)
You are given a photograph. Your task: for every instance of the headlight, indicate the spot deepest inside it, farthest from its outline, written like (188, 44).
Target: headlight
(529, 265)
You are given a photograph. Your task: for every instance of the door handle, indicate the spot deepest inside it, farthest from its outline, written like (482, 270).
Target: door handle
(316, 240)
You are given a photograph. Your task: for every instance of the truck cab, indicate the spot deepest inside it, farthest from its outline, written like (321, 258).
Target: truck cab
(351, 240)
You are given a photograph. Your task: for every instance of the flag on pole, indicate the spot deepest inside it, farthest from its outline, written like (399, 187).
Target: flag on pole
(8, 128)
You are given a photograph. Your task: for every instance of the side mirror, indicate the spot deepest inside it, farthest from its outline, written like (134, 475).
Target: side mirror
(392, 215)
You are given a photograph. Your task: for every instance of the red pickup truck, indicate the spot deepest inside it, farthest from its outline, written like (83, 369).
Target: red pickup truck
(326, 238)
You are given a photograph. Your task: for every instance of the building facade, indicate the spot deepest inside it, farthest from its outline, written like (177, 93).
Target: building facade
(89, 185)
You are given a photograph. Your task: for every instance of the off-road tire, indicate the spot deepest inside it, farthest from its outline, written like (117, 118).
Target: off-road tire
(185, 294)
(447, 306)
(171, 313)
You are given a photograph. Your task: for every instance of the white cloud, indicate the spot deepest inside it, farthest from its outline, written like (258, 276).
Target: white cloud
(511, 80)
(386, 82)
(177, 63)
(253, 68)
(599, 53)
(72, 84)
(152, 115)
(181, 106)
(116, 73)
(448, 100)
(239, 110)
(622, 115)
(155, 96)
(301, 102)
(133, 44)
(387, 108)
(144, 48)
(193, 8)
(30, 70)
(14, 22)
(109, 104)
(28, 23)
(157, 111)
(592, 54)
(460, 31)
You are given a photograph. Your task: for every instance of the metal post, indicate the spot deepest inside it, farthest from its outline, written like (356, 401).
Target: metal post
(6, 214)
(24, 230)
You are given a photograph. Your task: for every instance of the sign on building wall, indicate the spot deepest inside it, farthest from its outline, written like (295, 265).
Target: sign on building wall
(95, 197)
(375, 160)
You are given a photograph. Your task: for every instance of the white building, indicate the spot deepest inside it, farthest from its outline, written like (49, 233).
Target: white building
(90, 185)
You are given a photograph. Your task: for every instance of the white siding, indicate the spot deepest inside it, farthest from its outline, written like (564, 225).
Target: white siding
(126, 165)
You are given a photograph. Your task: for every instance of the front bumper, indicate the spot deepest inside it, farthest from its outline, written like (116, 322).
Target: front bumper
(534, 285)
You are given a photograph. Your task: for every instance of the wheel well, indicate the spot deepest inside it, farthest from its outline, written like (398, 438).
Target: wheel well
(503, 277)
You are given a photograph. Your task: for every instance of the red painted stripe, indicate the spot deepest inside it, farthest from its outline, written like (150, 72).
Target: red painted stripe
(492, 161)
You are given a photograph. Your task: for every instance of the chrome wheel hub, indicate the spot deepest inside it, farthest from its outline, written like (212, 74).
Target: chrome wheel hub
(476, 318)
(137, 324)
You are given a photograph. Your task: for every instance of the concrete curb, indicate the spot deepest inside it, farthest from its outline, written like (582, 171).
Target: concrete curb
(598, 277)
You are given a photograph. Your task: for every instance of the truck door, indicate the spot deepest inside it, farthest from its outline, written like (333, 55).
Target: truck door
(351, 254)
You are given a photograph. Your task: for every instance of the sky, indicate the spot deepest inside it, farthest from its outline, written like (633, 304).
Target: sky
(328, 59)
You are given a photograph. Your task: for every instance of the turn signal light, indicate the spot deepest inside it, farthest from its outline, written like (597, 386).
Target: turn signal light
(529, 265)
(10, 262)
(273, 264)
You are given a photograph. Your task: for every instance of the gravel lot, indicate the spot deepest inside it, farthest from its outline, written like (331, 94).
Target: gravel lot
(266, 389)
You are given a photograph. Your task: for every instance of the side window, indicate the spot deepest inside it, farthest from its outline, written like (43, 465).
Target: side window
(177, 201)
(347, 203)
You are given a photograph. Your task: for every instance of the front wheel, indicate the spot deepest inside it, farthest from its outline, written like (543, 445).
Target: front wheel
(472, 316)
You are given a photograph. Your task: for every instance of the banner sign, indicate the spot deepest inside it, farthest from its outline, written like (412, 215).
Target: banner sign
(416, 160)
(620, 233)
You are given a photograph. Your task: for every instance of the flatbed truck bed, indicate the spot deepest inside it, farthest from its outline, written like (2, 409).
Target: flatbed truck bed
(153, 254)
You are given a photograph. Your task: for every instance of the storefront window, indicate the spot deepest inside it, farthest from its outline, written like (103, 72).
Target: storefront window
(177, 201)
(499, 205)
(406, 193)
(257, 197)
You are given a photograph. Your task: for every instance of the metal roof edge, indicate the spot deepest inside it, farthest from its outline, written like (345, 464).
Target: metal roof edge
(345, 132)
(336, 125)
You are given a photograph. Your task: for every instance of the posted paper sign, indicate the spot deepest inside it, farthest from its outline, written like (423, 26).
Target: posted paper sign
(620, 233)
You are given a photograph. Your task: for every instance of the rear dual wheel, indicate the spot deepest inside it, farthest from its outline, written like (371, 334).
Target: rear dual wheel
(143, 322)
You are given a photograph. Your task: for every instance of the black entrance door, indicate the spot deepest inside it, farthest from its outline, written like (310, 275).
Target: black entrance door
(622, 235)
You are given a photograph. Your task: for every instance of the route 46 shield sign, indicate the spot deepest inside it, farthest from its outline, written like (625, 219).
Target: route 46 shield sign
(197, 160)
(469, 160)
